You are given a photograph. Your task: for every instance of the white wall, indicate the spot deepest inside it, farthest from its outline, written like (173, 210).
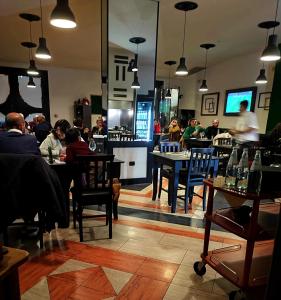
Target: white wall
(65, 86)
(238, 72)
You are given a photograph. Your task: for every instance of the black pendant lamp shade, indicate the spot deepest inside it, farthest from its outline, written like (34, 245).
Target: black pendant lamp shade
(136, 40)
(31, 83)
(261, 79)
(204, 87)
(271, 52)
(135, 84)
(169, 63)
(32, 70)
(182, 69)
(42, 51)
(62, 16)
(184, 6)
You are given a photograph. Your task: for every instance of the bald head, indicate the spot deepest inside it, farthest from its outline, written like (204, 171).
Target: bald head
(15, 121)
(215, 123)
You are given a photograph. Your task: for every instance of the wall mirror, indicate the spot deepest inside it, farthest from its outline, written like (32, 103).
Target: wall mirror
(130, 110)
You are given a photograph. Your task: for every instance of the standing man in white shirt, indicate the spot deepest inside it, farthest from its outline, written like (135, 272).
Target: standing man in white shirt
(246, 128)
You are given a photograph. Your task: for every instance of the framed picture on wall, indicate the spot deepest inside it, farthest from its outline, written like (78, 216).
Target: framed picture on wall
(210, 104)
(264, 100)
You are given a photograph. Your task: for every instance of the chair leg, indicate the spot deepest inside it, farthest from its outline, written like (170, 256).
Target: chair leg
(160, 187)
(109, 215)
(41, 228)
(191, 192)
(186, 199)
(170, 188)
(80, 222)
(115, 210)
(204, 197)
(74, 212)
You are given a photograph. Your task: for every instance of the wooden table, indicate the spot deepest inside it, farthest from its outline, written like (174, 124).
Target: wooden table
(175, 160)
(9, 278)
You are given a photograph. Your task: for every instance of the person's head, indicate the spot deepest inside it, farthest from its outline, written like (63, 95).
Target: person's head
(192, 122)
(15, 121)
(72, 135)
(60, 128)
(99, 122)
(78, 123)
(174, 122)
(41, 119)
(243, 105)
(156, 121)
(215, 123)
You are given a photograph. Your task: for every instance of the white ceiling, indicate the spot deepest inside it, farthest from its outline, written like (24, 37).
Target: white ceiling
(230, 24)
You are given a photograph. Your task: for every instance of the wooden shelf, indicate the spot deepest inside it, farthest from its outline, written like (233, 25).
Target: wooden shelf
(265, 229)
(229, 262)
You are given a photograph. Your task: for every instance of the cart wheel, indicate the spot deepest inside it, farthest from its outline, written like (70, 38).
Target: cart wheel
(199, 268)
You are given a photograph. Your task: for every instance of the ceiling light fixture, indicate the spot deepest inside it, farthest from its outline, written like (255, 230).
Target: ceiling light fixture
(184, 6)
(42, 51)
(204, 87)
(137, 41)
(169, 63)
(62, 16)
(31, 83)
(261, 79)
(271, 52)
(32, 70)
(135, 84)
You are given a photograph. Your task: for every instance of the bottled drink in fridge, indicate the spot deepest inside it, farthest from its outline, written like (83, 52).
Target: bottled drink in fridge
(243, 172)
(231, 168)
(255, 175)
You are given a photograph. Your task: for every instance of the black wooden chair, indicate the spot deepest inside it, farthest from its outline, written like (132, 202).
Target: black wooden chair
(166, 171)
(198, 170)
(92, 186)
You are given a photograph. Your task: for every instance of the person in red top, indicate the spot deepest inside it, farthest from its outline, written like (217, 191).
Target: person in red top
(157, 126)
(74, 145)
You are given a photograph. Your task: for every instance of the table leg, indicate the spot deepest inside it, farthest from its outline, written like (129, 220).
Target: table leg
(9, 287)
(154, 181)
(174, 186)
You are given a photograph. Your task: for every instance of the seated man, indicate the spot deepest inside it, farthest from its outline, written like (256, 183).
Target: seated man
(13, 140)
(42, 128)
(213, 130)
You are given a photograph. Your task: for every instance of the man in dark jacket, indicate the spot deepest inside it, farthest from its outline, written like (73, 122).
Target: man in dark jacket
(13, 140)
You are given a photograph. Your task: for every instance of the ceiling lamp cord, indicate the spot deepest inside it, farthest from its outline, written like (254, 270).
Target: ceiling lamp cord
(42, 34)
(184, 29)
(206, 60)
(30, 37)
(276, 12)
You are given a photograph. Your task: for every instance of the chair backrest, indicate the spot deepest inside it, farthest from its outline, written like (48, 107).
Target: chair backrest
(94, 172)
(199, 164)
(169, 146)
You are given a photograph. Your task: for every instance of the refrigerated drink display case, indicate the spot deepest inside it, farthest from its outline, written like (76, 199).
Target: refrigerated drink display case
(143, 120)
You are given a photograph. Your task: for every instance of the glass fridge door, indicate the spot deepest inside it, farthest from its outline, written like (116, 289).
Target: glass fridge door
(143, 120)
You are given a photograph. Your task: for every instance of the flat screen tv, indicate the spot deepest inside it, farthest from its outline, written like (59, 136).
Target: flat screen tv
(234, 97)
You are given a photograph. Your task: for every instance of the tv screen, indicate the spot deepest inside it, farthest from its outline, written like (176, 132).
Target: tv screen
(234, 97)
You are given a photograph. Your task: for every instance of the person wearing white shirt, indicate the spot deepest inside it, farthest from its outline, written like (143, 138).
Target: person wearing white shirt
(246, 128)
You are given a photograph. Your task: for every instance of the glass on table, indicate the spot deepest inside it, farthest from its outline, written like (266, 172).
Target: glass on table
(92, 144)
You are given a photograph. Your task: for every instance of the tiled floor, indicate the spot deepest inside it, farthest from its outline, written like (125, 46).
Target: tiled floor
(146, 259)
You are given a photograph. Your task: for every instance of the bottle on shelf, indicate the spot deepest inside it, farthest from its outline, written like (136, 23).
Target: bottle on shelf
(243, 172)
(51, 159)
(231, 169)
(255, 174)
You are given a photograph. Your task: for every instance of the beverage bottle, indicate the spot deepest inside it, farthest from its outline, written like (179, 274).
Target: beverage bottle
(231, 169)
(255, 175)
(243, 172)
(51, 160)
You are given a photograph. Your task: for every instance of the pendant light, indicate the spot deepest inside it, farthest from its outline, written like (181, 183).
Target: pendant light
(62, 16)
(31, 83)
(32, 70)
(204, 87)
(261, 79)
(42, 51)
(169, 63)
(272, 52)
(136, 40)
(135, 84)
(184, 6)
